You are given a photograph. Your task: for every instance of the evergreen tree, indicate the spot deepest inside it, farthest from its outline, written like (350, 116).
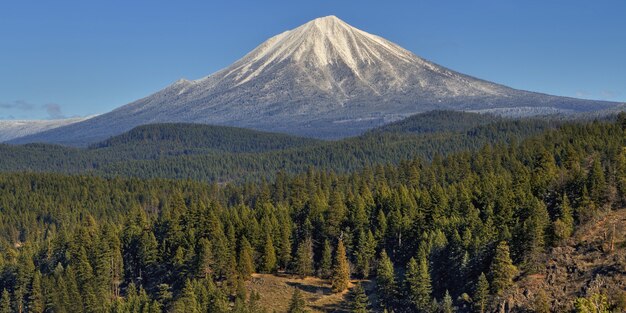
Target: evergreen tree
(188, 301)
(386, 280)
(596, 182)
(564, 224)
(481, 294)
(447, 306)
(304, 258)
(502, 269)
(246, 264)
(418, 282)
(36, 301)
(5, 302)
(341, 269)
(326, 262)
(268, 262)
(297, 303)
(358, 299)
(205, 262)
(364, 253)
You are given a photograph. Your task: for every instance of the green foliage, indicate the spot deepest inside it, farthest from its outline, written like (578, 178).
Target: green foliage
(340, 279)
(326, 263)
(481, 294)
(386, 280)
(297, 303)
(5, 302)
(268, 264)
(358, 299)
(304, 258)
(417, 279)
(596, 303)
(502, 269)
(246, 263)
(447, 306)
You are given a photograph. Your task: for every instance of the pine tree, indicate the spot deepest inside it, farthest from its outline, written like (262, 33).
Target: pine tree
(502, 269)
(447, 306)
(5, 302)
(596, 182)
(364, 253)
(386, 280)
(188, 301)
(268, 262)
(481, 294)
(564, 224)
(297, 304)
(341, 269)
(418, 283)
(326, 262)
(304, 258)
(358, 299)
(36, 301)
(204, 259)
(246, 264)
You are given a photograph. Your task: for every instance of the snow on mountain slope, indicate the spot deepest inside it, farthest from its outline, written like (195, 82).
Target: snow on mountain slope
(11, 129)
(324, 79)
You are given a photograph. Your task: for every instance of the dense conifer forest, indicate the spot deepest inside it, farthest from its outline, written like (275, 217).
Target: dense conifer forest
(226, 154)
(451, 229)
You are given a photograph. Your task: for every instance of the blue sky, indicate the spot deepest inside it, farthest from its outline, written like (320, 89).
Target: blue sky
(73, 58)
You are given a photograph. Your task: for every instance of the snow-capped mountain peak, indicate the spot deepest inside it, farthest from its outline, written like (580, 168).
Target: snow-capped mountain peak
(324, 79)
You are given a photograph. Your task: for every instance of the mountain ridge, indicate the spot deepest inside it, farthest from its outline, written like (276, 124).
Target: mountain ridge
(323, 79)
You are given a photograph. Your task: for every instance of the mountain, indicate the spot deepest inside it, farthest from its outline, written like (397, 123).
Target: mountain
(324, 79)
(11, 129)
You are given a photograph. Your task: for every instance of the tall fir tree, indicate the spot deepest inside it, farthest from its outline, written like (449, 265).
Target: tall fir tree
(36, 301)
(5, 302)
(386, 281)
(358, 299)
(502, 269)
(447, 305)
(326, 261)
(268, 262)
(340, 279)
(481, 294)
(297, 303)
(564, 223)
(246, 263)
(418, 283)
(304, 258)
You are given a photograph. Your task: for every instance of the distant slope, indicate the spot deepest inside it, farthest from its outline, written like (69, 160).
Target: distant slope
(11, 129)
(198, 151)
(323, 79)
(205, 136)
(438, 121)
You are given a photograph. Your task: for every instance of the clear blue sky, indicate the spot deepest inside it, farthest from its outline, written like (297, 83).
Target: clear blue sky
(73, 58)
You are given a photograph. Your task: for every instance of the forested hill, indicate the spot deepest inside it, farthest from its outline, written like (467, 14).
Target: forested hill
(211, 153)
(458, 233)
(180, 136)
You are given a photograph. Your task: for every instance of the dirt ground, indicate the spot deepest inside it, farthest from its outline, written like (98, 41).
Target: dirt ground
(276, 291)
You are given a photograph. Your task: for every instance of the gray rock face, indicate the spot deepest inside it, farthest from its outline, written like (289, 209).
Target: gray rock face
(323, 79)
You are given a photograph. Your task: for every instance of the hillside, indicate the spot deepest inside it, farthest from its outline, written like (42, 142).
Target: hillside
(592, 262)
(216, 153)
(323, 79)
